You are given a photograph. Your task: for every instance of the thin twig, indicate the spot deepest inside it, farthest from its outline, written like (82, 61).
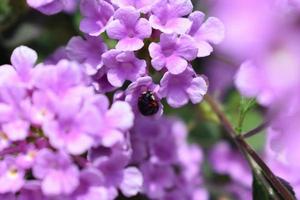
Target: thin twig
(256, 130)
(245, 148)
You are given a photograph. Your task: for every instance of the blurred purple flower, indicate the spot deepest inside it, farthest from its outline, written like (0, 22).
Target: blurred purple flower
(172, 52)
(113, 165)
(91, 187)
(116, 122)
(281, 63)
(282, 167)
(129, 29)
(11, 175)
(32, 191)
(256, 29)
(167, 16)
(173, 170)
(59, 54)
(58, 174)
(283, 134)
(96, 15)
(122, 66)
(50, 7)
(157, 179)
(178, 89)
(75, 125)
(226, 160)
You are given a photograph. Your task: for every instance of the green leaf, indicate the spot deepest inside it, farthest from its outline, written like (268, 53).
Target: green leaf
(259, 189)
(244, 107)
(263, 190)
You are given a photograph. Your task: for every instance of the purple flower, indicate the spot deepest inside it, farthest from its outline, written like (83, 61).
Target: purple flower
(23, 60)
(96, 15)
(157, 146)
(129, 29)
(62, 107)
(87, 51)
(264, 78)
(51, 7)
(257, 30)
(167, 16)
(123, 66)
(248, 72)
(279, 62)
(32, 191)
(58, 174)
(13, 119)
(75, 126)
(4, 141)
(16, 130)
(140, 5)
(116, 121)
(100, 81)
(59, 78)
(204, 33)
(8, 196)
(178, 89)
(135, 89)
(286, 169)
(113, 165)
(91, 187)
(26, 159)
(226, 160)
(157, 179)
(42, 108)
(283, 134)
(11, 175)
(59, 54)
(172, 52)
(15, 79)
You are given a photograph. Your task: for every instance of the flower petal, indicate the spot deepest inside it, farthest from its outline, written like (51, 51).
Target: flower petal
(176, 64)
(177, 98)
(23, 59)
(132, 182)
(197, 89)
(120, 115)
(116, 30)
(130, 44)
(213, 30)
(143, 28)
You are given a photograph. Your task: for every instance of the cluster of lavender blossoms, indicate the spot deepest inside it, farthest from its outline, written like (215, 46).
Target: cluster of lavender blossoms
(87, 124)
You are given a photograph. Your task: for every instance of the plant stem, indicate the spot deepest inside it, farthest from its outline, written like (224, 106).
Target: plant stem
(256, 130)
(247, 150)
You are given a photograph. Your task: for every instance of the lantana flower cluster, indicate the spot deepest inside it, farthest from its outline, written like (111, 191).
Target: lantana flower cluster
(87, 122)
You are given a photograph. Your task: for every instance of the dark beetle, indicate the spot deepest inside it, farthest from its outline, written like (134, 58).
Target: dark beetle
(147, 104)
